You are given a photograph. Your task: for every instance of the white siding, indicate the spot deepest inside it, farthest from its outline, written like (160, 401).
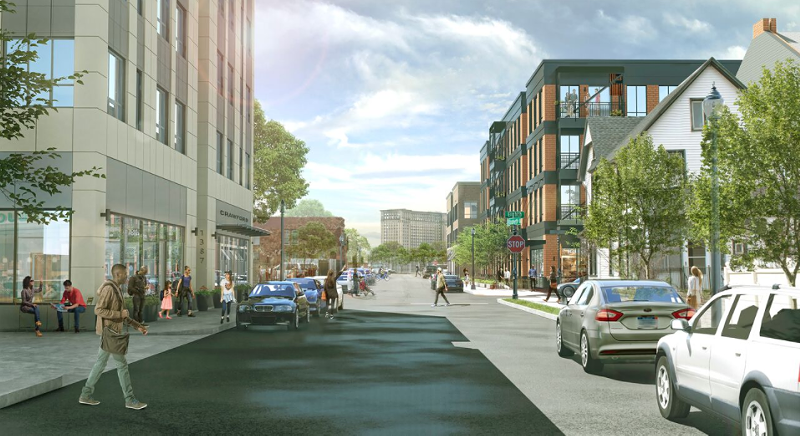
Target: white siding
(673, 129)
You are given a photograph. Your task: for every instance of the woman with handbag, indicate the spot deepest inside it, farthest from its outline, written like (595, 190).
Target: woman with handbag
(331, 296)
(553, 288)
(694, 296)
(441, 288)
(27, 305)
(226, 297)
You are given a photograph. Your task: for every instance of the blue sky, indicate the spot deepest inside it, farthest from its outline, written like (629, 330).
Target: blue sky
(394, 98)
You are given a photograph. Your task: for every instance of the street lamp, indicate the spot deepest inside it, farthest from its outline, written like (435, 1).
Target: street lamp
(283, 207)
(472, 282)
(341, 248)
(712, 106)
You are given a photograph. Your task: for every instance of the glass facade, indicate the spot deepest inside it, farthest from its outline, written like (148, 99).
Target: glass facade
(41, 251)
(136, 243)
(231, 256)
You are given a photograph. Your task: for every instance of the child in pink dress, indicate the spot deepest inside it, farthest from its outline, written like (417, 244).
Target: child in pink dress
(166, 301)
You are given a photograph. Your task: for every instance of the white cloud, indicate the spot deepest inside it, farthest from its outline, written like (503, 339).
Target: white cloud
(692, 25)
(632, 29)
(734, 52)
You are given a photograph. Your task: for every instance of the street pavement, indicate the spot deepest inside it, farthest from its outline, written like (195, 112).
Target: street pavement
(386, 365)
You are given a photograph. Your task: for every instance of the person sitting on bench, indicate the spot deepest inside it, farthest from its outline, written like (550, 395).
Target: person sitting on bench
(27, 305)
(74, 298)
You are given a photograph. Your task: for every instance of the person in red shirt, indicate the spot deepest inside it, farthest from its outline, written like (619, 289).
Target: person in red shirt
(74, 300)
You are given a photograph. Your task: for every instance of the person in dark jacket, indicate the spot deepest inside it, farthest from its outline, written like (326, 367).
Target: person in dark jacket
(27, 305)
(331, 295)
(185, 289)
(136, 288)
(553, 288)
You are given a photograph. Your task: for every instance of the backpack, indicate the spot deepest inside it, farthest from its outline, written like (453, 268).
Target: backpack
(161, 295)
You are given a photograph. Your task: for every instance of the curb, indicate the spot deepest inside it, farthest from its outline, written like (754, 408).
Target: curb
(528, 309)
(28, 392)
(199, 331)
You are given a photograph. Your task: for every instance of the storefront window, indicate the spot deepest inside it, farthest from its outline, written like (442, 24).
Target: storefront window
(232, 255)
(150, 256)
(537, 260)
(133, 245)
(6, 257)
(113, 243)
(43, 253)
(174, 251)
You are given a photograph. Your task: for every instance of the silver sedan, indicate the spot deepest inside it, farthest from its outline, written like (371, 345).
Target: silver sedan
(617, 321)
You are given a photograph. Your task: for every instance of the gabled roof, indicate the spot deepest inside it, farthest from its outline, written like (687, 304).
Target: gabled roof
(646, 122)
(765, 50)
(792, 39)
(606, 133)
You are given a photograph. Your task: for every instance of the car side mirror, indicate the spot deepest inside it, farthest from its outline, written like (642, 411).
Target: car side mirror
(680, 324)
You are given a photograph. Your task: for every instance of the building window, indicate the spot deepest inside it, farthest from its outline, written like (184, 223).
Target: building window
(116, 86)
(180, 31)
(241, 166)
(161, 115)
(569, 97)
(247, 170)
(249, 104)
(637, 101)
(231, 16)
(140, 7)
(139, 101)
(230, 159)
(180, 127)
(249, 38)
(220, 159)
(698, 117)
(570, 152)
(570, 199)
(470, 210)
(162, 19)
(56, 60)
(230, 83)
(663, 92)
(220, 74)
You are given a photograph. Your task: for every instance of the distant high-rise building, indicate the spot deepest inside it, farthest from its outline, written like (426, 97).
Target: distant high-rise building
(411, 228)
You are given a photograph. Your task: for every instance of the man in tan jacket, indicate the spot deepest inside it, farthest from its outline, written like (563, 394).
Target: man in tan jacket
(111, 312)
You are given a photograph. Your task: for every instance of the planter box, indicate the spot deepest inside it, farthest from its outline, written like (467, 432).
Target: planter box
(150, 313)
(202, 302)
(215, 299)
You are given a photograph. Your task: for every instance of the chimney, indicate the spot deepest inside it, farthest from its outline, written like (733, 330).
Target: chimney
(765, 25)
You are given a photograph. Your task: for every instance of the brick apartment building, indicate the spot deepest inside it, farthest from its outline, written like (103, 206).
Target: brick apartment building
(529, 162)
(462, 212)
(266, 262)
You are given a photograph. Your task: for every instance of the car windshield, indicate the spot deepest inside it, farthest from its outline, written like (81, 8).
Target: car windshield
(654, 294)
(273, 290)
(451, 277)
(306, 283)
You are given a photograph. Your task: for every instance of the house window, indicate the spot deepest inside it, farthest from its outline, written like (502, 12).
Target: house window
(470, 210)
(180, 127)
(637, 101)
(139, 100)
(230, 159)
(570, 152)
(663, 91)
(698, 117)
(162, 18)
(682, 154)
(220, 74)
(180, 32)
(220, 146)
(116, 86)
(161, 115)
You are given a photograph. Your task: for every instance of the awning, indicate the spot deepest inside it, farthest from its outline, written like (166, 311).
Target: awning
(243, 229)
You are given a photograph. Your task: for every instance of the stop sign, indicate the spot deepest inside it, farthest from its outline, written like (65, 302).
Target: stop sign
(516, 244)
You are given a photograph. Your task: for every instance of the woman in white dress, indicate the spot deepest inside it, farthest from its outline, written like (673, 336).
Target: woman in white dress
(695, 293)
(226, 296)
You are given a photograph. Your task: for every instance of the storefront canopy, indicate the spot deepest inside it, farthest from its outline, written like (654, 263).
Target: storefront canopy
(243, 229)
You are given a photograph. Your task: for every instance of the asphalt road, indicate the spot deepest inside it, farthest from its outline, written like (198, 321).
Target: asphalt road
(388, 365)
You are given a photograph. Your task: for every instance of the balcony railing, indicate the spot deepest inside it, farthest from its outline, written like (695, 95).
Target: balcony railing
(570, 161)
(571, 212)
(590, 109)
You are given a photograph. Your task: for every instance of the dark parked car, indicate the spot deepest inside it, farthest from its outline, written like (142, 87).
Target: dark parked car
(272, 303)
(313, 291)
(454, 283)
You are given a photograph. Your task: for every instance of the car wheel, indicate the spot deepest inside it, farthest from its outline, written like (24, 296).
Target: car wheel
(562, 350)
(670, 406)
(319, 310)
(308, 315)
(568, 291)
(295, 323)
(239, 325)
(756, 417)
(590, 364)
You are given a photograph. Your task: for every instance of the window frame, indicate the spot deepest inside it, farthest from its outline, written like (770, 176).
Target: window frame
(162, 125)
(116, 106)
(638, 112)
(180, 126)
(692, 103)
(139, 100)
(180, 30)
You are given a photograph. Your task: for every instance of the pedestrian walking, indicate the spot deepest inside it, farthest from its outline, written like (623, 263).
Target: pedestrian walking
(416, 274)
(136, 288)
(466, 278)
(441, 288)
(694, 296)
(185, 290)
(532, 277)
(226, 297)
(331, 296)
(166, 300)
(73, 297)
(111, 315)
(500, 276)
(553, 284)
(507, 276)
(27, 305)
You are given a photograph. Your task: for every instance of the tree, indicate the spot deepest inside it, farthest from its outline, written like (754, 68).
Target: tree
(356, 243)
(759, 174)
(26, 177)
(490, 245)
(278, 159)
(313, 241)
(308, 208)
(637, 208)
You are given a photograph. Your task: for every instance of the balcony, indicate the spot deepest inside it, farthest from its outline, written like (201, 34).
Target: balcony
(497, 165)
(572, 213)
(570, 161)
(497, 201)
(591, 109)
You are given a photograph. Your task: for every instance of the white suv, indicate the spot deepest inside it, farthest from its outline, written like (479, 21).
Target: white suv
(739, 358)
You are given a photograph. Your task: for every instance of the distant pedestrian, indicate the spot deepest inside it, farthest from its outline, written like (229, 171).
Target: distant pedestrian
(136, 288)
(694, 296)
(500, 276)
(74, 298)
(466, 278)
(331, 295)
(185, 290)
(507, 276)
(553, 284)
(166, 300)
(416, 274)
(532, 276)
(111, 315)
(27, 305)
(441, 288)
(226, 297)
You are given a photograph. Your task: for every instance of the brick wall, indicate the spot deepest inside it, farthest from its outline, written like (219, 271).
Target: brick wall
(652, 97)
(549, 106)
(550, 202)
(549, 152)
(550, 253)
(765, 25)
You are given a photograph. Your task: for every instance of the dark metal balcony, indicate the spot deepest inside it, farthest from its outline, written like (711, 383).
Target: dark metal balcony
(572, 212)
(591, 109)
(570, 161)
(497, 201)
(498, 165)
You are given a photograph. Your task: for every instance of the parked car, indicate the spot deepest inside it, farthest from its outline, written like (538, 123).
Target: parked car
(272, 303)
(739, 358)
(567, 290)
(339, 291)
(617, 321)
(345, 280)
(313, 291)
(454, 283)
(429, 271)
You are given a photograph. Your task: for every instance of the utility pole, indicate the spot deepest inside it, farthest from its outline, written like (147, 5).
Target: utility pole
(283, 206)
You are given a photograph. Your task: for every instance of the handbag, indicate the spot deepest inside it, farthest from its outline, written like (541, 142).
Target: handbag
(113, 342)
(692, 301)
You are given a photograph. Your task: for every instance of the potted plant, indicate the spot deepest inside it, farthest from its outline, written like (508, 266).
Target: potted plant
(150, 310)
(215, 296)
(202, 296)
(242, 291)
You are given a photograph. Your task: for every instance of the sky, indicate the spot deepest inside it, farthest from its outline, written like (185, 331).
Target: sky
(394, 98)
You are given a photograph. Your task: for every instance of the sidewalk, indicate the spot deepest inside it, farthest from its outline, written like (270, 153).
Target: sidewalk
(34, 366)
(523, 294)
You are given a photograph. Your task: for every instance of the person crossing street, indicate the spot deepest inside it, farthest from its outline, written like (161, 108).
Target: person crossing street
(441, 288)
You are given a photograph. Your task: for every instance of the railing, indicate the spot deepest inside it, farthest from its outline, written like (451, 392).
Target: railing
(570, 212)
(575, 109)
(570, 161)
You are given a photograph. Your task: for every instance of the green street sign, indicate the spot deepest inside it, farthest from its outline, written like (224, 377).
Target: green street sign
(515, 214)
(514, 221)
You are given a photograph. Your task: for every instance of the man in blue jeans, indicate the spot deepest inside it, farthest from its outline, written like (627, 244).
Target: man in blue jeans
(75, 304)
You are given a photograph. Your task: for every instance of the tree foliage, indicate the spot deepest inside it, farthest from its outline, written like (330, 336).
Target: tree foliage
(759, 174)
(25, 97)
(637, 207)
(490, 245)
(390, 252)
(356, 245)
(313, 241)
(308, 208)
(278, 159)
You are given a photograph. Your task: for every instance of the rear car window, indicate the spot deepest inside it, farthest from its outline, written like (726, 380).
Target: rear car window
(741, 317)
(781, 319)
(656, 294)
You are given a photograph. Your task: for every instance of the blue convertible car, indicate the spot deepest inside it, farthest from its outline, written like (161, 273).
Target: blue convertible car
(313, 291)
(272, 303)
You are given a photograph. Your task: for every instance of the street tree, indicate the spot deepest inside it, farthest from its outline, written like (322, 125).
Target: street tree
(278, 160)
(759, 174)
(637, 208)
(313, 241)
(308, 208)
(490, 245)
(357, 246)
(25, 178)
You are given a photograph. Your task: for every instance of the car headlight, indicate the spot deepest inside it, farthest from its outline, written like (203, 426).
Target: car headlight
(282, 309)
(244, 308)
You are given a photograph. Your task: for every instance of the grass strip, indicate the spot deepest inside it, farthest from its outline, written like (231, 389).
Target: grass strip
(532, 305)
